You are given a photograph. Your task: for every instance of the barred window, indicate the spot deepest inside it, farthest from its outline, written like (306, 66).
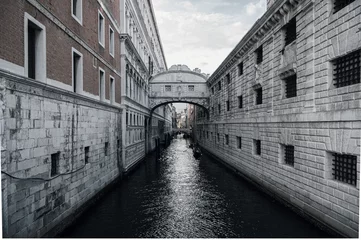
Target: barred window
(257, 147)
(168, 88)
(54, 164)
(289, 157)
(291, 86)
(227, 104)
(347, 69)
(240, 101)
(239, 142)
(227, 139)
(339, 4)
(240, 69)
(191, 88)
(228, 76)
(290, 31)
(345, 168)
(259, 55)
(258, 96)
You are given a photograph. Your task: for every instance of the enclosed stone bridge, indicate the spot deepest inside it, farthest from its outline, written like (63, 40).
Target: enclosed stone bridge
(179, 84)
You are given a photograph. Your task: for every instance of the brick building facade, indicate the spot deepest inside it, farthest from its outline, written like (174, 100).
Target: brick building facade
(285, 108)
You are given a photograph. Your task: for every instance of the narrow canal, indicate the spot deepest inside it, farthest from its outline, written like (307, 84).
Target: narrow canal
(178, 196)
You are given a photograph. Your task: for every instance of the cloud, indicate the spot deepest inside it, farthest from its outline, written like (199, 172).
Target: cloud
(256, 8)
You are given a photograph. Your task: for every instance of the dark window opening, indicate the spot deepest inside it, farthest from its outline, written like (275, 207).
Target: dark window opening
(54, 164)
(259, 96)
(219, 108)
(106, 148)
(74, 7)
(240, 101)
(219, 86)
(345, 168)
(289, 155)
(239, 142)
(76, 70)
(240, 69)
(218, 138)
(227, 139)
(32, 42)
(339, 4)
(259, 54)
(257, 147)
(228, 77)
(212, 90)
(290, 31)
(347, 69)
(291, 86)
(126, 118)
(227, 104)
(86, 155)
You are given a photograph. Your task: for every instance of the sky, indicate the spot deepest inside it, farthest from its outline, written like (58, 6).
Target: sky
(201, 33)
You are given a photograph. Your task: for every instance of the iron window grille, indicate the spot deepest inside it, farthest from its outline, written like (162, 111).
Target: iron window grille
(345, 168)
(191, 88)
(339, 4)
(227, 104)
(54, 164)
(259, 96)
(290, 155)
(240, 69)
(240, 101)
(168, 88)
(259, 54)
(290, 31)
(257, 144)
(227, 139)
(291, 86)
(347, 69)
(228, 76)
(239, 142)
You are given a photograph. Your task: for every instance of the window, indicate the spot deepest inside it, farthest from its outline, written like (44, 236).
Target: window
(112, 90)
(35, 49)
(191, 88)
(207, 135)
(219, 85)
(239, 142)
(76, 10)
(291, 86)
(77, 71)
(212, 90)
(344, 168)
(240, 101)
(226, 139)
(111, 41)
(240, 69)
(289, 154)
(259, 55)
(54, 164)
(218, 137)
(86, 155)
(228, 77)
(258, 96)
(106, 146)
(227, 104)
(257, 147)
(126, 118)
(347, 69)
(101, 33)
(219, 108)
(101, 84)
(168, 88)
(290, 31)
(339, 4)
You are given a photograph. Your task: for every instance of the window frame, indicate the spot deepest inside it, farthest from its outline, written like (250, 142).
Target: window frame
(111, 89)
(111, 42)
(79, 71)
(101, 34)
(101, 85)
(240, 68)
(79, 19)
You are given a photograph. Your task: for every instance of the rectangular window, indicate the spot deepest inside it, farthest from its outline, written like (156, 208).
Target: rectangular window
(54, 164)
(219, 108)
(191, 88)
(168, 88)
(112, 90)
(227, 139)
(219, 85)
(347, 69)
(291, 86)
(207, 135)
(227, 104)
(111, 41)
(345, 168)
(259, 55)
(240, 69)
(228, 77)
(126, 118)
(101, 85)
(257, 147)
(86, 155)
(77, 72)
(339, 4)
(258, 96)
(106, 146)
(101, 32)
(290, 31)
(218, 137)
(240, 101)
(76, 10)
(289, 155)
(212, 90)
(239, 142)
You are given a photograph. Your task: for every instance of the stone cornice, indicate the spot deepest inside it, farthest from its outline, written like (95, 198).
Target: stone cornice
(262, 26)
(178, 71)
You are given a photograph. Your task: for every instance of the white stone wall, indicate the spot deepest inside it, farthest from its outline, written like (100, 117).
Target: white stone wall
(41, 120)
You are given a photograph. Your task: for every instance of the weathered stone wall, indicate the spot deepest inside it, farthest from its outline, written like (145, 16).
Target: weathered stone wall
(319, 121)
(40, 120)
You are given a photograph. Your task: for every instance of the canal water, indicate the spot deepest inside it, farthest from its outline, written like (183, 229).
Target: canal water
(178, 196)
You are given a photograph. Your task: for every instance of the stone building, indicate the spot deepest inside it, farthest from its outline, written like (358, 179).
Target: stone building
(285, 108)
(63, 95)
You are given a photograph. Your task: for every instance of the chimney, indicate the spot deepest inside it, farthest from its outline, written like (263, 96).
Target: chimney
(270, 3)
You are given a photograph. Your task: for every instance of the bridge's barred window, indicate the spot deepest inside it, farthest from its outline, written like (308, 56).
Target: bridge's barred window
(288, 154)
(239, 142)
(106, 146)
(219, 85)
(219, 108)
(259, 54)
(168, 88)
(228, 77)
(339, 4)
(54, 164)
(227, 104)
(347, 69)
(258, 96)
(290, 31)
(191, 88)
(227, 139)
(86, 155)
(291, 86)
(344, 168)
(257, 147)
(240, 69)
(240, 101)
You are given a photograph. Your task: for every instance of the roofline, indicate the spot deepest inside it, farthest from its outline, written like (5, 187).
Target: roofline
(177, 71)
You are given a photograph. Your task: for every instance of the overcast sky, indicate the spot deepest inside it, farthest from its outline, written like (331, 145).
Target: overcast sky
(201, 33)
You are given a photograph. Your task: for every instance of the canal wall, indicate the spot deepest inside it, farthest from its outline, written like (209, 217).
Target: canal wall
(58, 150)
